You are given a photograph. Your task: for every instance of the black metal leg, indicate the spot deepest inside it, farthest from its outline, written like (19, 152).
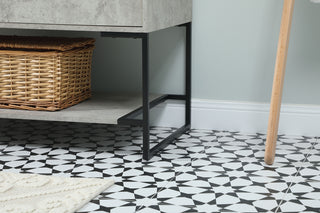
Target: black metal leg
(188, 71)
(145, 97)
(130, 119)
(147, 153)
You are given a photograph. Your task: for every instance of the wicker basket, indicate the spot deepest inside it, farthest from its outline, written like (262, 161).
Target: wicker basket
(42, 73)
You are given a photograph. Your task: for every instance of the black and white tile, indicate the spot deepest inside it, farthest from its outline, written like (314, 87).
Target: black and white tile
(202, 171)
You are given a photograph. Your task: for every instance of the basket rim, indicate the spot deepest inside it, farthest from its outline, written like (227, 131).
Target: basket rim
(43, 43)
(45, 53)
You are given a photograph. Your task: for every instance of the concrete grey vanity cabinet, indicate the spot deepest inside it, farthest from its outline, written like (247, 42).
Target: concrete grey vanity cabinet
(113, 18)
(95, 15)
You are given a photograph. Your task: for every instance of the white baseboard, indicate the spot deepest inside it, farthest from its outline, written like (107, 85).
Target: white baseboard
(241, 116)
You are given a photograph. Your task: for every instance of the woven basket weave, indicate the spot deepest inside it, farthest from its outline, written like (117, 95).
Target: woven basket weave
(42, 73)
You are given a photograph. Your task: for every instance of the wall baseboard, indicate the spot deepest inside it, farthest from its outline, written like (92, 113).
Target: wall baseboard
(244, 117)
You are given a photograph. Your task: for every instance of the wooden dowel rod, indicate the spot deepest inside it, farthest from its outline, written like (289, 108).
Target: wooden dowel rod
(279, 73)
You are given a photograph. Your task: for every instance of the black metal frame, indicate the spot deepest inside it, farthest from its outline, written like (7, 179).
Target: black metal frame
(130, 119)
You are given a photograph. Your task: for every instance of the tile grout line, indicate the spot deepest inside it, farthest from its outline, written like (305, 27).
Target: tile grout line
(296, 174)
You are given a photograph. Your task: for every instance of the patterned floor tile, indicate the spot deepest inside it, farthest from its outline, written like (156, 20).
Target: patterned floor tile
(202, 171)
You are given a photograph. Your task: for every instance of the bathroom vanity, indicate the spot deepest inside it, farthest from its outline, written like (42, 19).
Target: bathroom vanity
(95, 15)
(113, 18)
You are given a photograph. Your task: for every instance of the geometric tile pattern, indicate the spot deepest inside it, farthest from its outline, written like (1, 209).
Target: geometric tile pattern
(202, 171)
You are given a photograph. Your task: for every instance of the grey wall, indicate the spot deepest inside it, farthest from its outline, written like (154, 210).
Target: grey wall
(234, 51)
(235, 44)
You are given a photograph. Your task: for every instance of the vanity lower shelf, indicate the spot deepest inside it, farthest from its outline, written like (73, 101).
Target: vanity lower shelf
(100, 108)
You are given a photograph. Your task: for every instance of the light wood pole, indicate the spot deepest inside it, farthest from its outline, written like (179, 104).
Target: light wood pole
(280, 67)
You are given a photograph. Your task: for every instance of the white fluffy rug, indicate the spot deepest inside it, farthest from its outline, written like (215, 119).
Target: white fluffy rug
(28, 193)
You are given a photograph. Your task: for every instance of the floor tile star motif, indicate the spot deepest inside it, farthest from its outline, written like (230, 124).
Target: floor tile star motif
(202, 171)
